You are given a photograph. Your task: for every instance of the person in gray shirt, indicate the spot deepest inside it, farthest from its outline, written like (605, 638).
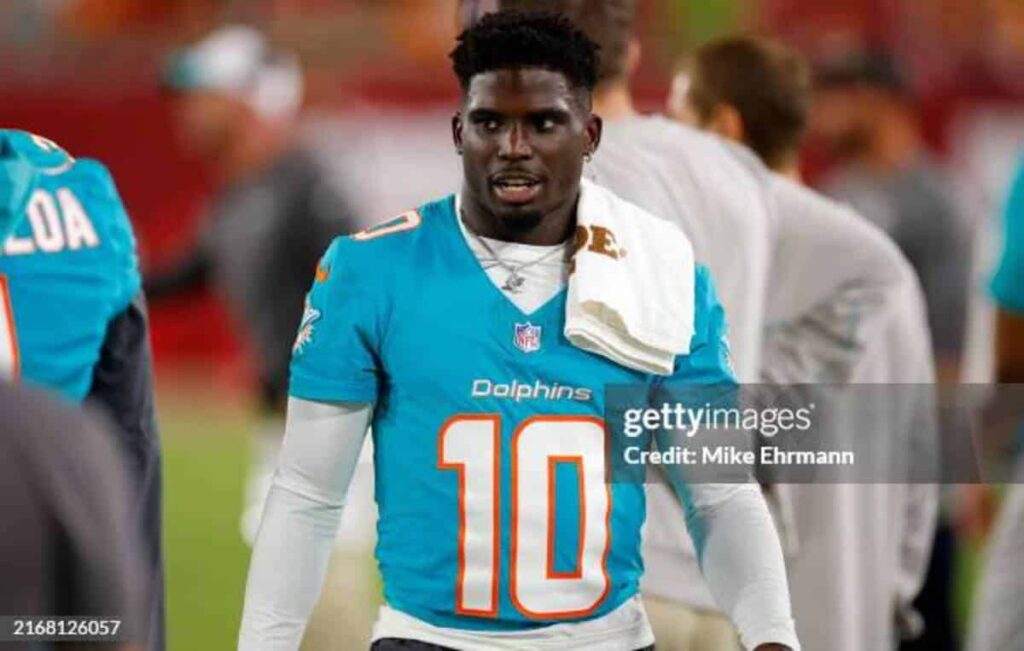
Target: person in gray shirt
(863, 111)
(236, 102)
(68, 545)
(275, 211)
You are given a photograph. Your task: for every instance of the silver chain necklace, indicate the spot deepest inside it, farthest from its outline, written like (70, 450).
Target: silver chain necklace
(514, 282)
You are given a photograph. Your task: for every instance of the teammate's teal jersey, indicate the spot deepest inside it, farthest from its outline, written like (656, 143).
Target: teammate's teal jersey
(1008, 282)
(494, 512)
(67, 269)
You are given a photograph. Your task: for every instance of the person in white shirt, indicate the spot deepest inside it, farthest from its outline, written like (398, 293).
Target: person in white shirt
(756, 92)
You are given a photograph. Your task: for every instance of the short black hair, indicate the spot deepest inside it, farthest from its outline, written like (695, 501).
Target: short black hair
(609, 23)
(514, 39)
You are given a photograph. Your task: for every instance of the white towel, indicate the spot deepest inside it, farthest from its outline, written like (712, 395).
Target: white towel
(630, 295)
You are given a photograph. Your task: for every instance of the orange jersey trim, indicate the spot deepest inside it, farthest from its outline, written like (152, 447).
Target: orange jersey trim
(460, 467)
(8, 308)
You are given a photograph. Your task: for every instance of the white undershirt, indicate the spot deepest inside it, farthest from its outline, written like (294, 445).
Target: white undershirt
(543, 280)
(318, 458)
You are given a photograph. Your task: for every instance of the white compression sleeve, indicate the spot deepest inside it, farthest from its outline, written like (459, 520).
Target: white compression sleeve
(289, 562)
(741, 559)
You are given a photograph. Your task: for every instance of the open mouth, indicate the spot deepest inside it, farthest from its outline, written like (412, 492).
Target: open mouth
(516, 189)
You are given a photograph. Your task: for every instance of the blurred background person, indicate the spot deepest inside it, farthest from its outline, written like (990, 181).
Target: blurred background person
(757, 92)
(70, 544)
(864, 113)
(72, 317)
(235, 102)
(747, 90)
(276, 210)
(998, 622)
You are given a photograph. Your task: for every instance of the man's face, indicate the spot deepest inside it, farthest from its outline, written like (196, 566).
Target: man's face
(208, 120)
(523, 134)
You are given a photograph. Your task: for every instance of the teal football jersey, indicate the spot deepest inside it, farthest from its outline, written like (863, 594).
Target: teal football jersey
(494, 509)
(17, 180)
(68, 267)
(1008, 281)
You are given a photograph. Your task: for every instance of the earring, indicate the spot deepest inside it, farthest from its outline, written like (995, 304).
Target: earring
(588, 171)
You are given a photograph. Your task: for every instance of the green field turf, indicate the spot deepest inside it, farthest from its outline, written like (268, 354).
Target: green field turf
(205, 455)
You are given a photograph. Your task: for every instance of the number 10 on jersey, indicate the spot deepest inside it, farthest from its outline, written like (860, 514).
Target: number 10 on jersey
(470, 445)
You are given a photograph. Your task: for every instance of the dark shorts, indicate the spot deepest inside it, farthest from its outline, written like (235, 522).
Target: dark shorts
(396, 644)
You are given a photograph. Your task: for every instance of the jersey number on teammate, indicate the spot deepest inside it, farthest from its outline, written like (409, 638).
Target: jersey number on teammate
(8, 338)
(470, 444)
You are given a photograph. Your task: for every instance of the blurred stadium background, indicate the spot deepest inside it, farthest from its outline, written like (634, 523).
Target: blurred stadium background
(85, 73)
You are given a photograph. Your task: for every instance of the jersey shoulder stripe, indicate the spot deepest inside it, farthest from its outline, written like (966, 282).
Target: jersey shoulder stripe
(394, 243)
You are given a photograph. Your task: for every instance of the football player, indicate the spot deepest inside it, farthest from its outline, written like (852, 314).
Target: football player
(405, 323)
(72, 316)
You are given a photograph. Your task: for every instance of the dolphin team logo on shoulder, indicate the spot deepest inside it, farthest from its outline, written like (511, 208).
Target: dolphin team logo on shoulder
(527, 337)
(310, 315)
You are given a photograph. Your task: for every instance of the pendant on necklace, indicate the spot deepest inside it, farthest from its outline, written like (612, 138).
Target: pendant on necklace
(514, 283)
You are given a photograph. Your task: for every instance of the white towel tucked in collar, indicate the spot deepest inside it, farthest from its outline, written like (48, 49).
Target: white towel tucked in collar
(630, 295)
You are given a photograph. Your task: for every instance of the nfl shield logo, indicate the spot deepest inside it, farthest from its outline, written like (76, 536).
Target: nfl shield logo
(527, 337)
